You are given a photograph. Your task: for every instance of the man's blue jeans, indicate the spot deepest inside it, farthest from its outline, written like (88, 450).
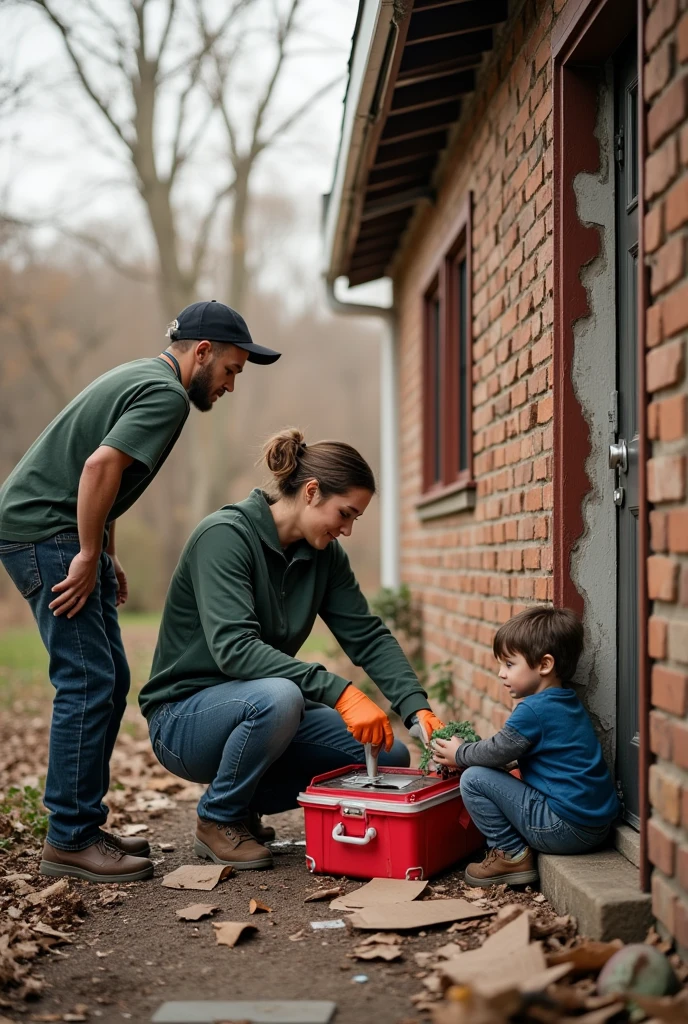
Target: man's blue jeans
(256, 744)
(511, 815)
(88, 668)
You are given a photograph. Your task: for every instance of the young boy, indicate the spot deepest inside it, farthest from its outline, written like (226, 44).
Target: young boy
(566, 802)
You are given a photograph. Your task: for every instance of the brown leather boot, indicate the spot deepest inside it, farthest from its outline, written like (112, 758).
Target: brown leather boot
(100, 862)
(129, 844)
(263, 833)
(230, 843)
(498, 868)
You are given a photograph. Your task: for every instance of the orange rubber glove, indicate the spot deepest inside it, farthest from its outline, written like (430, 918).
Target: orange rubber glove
(429, 722)
(366, 722)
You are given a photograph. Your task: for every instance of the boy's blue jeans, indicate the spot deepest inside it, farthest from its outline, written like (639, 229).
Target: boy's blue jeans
(511, 815)
(256, 744)
(88, 668)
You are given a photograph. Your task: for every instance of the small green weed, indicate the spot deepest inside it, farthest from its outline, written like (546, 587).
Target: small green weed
(26, 806)
(463, 729)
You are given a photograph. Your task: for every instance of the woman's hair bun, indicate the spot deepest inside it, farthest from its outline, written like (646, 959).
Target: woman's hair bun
(281, 452)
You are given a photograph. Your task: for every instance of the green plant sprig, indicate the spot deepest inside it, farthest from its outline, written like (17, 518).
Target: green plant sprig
(463, 729)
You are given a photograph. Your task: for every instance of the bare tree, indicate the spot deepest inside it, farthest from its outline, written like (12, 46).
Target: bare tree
(161, 80)
(127, 68)
(262, 135)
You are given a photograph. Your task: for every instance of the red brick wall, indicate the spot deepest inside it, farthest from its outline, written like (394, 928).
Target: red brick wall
(473, 570)
(666, 234)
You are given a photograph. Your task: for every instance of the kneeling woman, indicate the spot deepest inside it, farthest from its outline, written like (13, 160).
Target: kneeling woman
(227, 703)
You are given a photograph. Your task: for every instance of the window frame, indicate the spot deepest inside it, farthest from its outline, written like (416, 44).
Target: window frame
(456, 410)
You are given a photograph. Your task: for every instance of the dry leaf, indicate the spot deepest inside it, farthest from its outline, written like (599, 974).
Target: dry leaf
(668, 1009)
(196, 911)
(44, 929)
(324, 894)
(297, 936)
(132, 830)
(448, 951)
(228, 933)
(381, 939)
(381, 951)
(589, 956)
(256, 907)
(197, 876)
(62, 885)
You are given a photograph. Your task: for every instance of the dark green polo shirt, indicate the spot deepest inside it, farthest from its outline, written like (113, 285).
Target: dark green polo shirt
(239, 607)
(138, 408)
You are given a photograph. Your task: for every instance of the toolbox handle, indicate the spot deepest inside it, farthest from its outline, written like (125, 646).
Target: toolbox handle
(339, 836)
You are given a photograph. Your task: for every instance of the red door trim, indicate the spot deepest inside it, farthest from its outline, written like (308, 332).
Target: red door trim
(583, 37)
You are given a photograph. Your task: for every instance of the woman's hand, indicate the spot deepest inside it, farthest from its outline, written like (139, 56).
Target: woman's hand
(444, 751)
(428, 723)
(366, 722)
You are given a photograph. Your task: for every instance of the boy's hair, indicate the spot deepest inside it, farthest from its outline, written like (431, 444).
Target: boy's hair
(540, 631)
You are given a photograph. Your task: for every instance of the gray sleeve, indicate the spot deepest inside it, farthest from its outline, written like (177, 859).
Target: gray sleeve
(496, 752)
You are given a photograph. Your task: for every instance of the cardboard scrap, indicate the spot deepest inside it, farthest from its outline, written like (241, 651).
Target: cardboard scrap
(228, 933)
(197, 876)
(379, 891)
(400, 916)
(488, 973)
(256, 907)
(196, 911)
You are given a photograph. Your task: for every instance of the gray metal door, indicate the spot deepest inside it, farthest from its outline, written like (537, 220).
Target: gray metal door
(624, 454)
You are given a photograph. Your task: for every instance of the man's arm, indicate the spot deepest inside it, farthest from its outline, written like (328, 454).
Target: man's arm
(98, 486)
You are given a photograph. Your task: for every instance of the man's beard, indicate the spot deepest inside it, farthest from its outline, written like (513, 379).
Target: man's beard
(200, 388)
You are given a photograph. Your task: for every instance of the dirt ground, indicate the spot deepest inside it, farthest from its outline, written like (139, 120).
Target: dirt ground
(113, 953)
(133, 954)
(152, 957)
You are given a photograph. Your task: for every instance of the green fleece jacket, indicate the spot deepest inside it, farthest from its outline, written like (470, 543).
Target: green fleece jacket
(239, 607)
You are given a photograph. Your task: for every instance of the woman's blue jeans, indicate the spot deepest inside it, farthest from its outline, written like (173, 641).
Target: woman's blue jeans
(511, 815)
(256, 744)
(88, 668)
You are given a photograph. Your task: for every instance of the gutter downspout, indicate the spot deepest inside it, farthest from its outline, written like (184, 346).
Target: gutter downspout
(390, 489)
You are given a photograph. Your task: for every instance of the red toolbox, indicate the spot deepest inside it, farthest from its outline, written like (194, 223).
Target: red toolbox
(401, 824)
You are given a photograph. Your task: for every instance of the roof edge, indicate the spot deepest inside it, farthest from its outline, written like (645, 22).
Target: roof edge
(371, 60)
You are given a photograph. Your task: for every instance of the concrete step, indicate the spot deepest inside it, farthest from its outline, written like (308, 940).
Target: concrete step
(601, 890)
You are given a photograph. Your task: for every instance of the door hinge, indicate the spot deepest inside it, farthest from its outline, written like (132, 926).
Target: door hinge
(619, 145)
(613, 412)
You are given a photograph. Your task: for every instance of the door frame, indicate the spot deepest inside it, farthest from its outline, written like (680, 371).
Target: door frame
(584, 36)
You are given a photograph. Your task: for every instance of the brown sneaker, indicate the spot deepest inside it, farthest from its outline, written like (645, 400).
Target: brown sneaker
(128, 844)
(230, 843)
(100, 862)
(263, 833)
(498, 868)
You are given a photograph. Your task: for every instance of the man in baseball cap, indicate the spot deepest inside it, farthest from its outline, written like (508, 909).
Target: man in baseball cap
(213, 321)
(58, 510)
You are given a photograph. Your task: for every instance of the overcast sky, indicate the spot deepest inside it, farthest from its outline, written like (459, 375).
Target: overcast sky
(51, 155)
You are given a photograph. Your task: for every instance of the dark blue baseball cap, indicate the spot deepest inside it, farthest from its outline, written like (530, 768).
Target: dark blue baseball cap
(213, 321)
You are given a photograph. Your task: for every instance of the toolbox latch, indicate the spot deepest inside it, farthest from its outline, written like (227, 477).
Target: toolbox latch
(352, 810)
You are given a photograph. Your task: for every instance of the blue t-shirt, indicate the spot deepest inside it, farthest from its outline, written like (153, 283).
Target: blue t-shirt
(565, 761)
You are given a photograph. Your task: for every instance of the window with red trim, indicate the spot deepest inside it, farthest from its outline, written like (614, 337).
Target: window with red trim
(447, 370)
